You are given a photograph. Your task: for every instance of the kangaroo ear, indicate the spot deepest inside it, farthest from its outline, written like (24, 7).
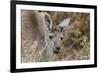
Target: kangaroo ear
(48, 21)
(64, 24)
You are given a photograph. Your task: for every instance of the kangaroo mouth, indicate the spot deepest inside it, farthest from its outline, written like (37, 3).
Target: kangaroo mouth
(56, 51)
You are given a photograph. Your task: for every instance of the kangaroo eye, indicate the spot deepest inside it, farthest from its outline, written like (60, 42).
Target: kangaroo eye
(61, 38)
(50, 37)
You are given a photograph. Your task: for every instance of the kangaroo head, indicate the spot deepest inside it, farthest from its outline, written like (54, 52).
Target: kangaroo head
(56, 35)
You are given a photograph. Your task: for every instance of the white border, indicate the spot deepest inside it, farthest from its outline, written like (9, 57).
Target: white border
(20, 65)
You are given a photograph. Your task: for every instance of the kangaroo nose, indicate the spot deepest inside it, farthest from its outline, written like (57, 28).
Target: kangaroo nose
(57, 48)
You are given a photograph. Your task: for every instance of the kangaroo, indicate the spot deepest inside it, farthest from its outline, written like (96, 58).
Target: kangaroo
(38, 26)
